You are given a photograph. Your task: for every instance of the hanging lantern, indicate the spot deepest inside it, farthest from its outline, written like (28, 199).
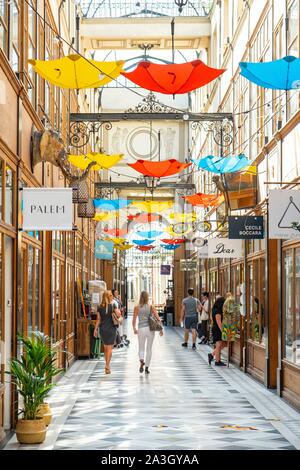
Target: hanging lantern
(86, 210)
(180, 4)
(80, 191)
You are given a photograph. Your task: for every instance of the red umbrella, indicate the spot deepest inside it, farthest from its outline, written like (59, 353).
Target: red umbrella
(173, 79)
(174, 241)
(145, 248)
(158, 169)
(205, 200)
(144, 217)
(116, 232)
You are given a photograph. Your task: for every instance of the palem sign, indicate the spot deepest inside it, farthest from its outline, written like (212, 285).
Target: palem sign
(224, 248)
(246, 227)
(47, 209)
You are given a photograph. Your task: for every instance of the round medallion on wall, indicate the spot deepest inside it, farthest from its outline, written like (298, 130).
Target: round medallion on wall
(142, 144)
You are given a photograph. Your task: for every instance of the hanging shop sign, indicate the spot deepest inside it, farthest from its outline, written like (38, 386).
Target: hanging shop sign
(47, 209)
(104, 249)
(188, 265)
(246, 227)
(165, 269)
(284, 214)
(203, 251)
(225, 248)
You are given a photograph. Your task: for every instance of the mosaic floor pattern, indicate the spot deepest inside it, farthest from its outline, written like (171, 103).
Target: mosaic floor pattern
(183, 404)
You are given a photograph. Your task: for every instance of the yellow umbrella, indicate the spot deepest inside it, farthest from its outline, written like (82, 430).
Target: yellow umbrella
(104, 216)
(153, 206)
(102, 160)
(117, 241)
(170, 230)
(74, 71)
(123, 247)
(179, 217)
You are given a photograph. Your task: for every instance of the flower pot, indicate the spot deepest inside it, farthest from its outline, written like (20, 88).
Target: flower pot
(31, 431)
(45, 412)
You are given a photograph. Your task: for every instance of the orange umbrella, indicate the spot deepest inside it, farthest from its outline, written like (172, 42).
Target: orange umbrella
(158, 169)
(145, 248)
(174, 241)
(116, 232)
(204, 200)
(144, 218)
(172, 79)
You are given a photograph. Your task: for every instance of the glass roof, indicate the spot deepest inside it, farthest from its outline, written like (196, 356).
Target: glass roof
(142, 8)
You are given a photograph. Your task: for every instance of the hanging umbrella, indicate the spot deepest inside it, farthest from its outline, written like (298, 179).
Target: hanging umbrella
(158, 169)
(111, 204)
(204, 200)
(102, 161)
(174, 241)
(145, 248)
(116, 232)
(104, 216)
(282, 74)
(144, 218)
(153, 206)
(187, 217)
(75, 72)
(150, 234)
(223, 165)
(123, 247)
(143, 242)
(172, 79)
(170, 247)
(116, 240)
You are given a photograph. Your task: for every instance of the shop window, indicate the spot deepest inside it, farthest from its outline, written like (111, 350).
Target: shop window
(1, 192)
(256, 300)
(57, 296)
(9, 179)
(33, 290)
(1, 294)
(291, 305)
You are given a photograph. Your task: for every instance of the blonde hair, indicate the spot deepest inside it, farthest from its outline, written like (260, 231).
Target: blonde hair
(106, 298)
(144, 298)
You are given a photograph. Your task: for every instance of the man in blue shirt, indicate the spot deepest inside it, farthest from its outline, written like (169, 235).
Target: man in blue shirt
(189, 314)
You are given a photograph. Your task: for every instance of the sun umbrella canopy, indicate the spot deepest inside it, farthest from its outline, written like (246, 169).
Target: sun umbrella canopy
(116, 232)
(104, 216)
(102, 161)
(123, 247)
(223, 165)
(172, 79)
(158, 169)
(204, 200)
(170, 247)
(282, 74)
(150, 234)
(74, 71)
(187, 217)
(144, 218)
(143, 242)
(145, 248)
(153, 206)
(173, 241)
(111, 204)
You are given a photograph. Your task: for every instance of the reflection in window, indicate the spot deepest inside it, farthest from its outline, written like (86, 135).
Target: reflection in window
(256, 300)
(288, 284)
(8, 195)
(30, 283)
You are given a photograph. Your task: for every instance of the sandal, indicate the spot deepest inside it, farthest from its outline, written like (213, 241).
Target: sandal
(107, 370)
(142, 366)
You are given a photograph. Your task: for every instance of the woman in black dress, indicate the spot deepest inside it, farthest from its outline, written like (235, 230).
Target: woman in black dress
(108, 330)
(217, 317)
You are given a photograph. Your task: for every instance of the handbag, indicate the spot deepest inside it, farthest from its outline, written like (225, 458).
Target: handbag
(154, 323)
(117, 320)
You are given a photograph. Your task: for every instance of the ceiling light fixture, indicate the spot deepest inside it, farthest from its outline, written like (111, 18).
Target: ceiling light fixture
(180, 4)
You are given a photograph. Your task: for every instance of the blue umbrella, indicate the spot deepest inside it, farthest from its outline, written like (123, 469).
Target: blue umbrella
(149, 234)
(143, 242)
(282, 74)
(170, 247)
(111, 204)
(223, 164)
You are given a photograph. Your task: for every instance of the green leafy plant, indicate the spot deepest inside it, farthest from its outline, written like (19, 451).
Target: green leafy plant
(296, 226)
(33, 372)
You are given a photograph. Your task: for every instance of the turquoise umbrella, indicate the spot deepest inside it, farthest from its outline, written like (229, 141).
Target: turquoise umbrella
(150, 234)
(170, 247)
(223, 165)
(143, 242)
(111, 204)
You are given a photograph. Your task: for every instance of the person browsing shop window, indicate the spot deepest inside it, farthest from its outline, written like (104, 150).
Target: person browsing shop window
(204, 316)
(189, 315)
(217, 317)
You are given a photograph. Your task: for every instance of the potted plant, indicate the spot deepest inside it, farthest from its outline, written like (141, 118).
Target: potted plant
(38, 349)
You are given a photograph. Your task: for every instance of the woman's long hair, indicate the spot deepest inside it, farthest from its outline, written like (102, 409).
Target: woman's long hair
(144, 298)
(106, 298)
(218, 305)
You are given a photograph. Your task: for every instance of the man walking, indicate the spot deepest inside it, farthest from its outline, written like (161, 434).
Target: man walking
(189, 314)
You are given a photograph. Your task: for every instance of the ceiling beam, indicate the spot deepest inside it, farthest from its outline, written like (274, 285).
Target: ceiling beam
(184, 116)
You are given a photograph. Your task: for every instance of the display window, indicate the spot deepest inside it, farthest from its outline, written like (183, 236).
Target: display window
(256, 300)
(291, 305)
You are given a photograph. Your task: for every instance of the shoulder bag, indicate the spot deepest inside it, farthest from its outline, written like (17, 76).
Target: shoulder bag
(154, 323)
(117, 320)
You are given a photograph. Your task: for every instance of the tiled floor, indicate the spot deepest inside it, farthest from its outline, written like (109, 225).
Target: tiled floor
(183, 404)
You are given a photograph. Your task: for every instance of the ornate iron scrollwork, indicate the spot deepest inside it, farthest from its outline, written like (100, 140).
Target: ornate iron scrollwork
(150, 104)
(222, 131)
(80, 132)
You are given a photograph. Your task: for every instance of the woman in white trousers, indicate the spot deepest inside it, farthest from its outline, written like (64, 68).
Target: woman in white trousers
(145, 335)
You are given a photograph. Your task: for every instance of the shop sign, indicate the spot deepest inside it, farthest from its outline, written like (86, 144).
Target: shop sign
(47, 209)
(284, 214)
(202, 250)
(188, 265)
(165, 269)
(225, 248)
(104, 249)
(246, 227)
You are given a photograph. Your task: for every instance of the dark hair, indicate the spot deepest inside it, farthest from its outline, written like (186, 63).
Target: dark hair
(113, 291)
(191, 291)
(206, 294)
(218, 305)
